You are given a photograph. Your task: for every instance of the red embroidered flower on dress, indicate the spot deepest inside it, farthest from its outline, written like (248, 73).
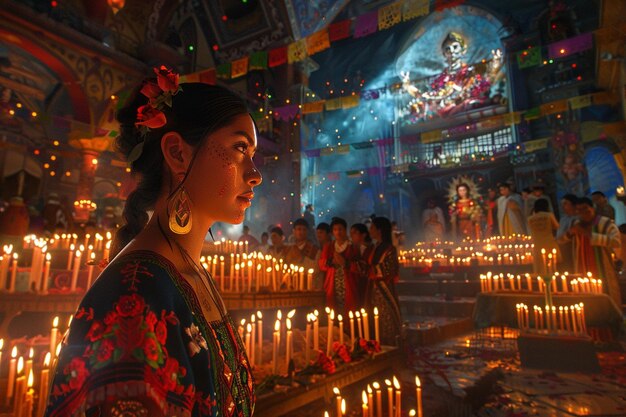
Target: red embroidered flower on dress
(151, 349)
(161, 332)
(105, 350)
(96, 331)
(170, 373)
(130, 305)
(151, 321)
(151, 90)
(77, 372)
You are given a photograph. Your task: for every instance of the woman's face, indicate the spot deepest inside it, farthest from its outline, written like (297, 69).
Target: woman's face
(375, 232)
(339, 232)
(462, 191)
(223, 175)
(356, 237)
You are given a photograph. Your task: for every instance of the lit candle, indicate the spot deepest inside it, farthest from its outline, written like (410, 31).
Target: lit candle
(340, 319)
(358, 324)
(75, 271)
(43, 385)
(418, 387)
(247, 343)
(232, 272)
(309, 279)
(307, 341)
(275, 347)
(237, 268)
(396, 384)
(11, 375)
(370, 399)
(343, 407)
(365, 402)
(329, 340)
(259, 357)
(13, 274)
(351, 316)
(379, 399)
(337, 399)
(28, 404)
(288, 344)
(92, 262)
(28, 365)
(46, 274)
(568, 326)
(366, 324)
(20, 385)
(389, 397)
(251, 352)
(561, 324)
(316, 331)
(70, 256)
(54, 334)
(241, 328)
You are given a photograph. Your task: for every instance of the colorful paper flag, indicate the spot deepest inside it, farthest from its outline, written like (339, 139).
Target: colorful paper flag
(333, 104)
(580, 102)
(223, 71)
(343, 149)
(296, 51)
(390, 15)
(317, 42)
(258, 60)
(340, 30)
(239, 67)
(349, 101)
(532, 114)
(553, 107)
(415, 8)
(570, 46)
(278, 56)
(366, 24)
(314, 107)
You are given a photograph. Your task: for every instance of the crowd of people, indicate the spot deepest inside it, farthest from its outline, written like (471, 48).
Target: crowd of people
(357, 267)
(585, 237)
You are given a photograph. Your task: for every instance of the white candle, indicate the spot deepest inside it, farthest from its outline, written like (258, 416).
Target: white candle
(396, 384)
(90, 270)
(351, 316)
(418, 386)
(358, 324)
(259, 357)
(11, 375)
(232, 272)
(366, 324)
(43, 386)
(379, 399)
(70, 256)
(275, 347)
(46, 274)
(54, 334)
(247, 343)
(13, 274)
(340, 319)
(376, 325)
(75, 271)
(316, 331)
(309, 279)
(365, 402)
(329, 340)
(288, 345)
(251, 352)
(389, 397)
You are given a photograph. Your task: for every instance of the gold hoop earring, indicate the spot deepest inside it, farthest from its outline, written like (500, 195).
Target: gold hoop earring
(180, 213)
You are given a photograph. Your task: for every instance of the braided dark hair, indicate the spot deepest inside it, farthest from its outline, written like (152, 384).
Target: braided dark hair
(196, 111)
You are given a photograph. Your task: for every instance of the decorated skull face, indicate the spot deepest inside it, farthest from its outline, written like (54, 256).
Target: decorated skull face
(453, 49)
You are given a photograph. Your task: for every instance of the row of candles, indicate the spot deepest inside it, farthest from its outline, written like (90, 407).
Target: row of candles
(224, 246)
(490, 282)
(497, 250)
(562, 319)
(373, 406)
(256, 270)
(66, 240)
(252, 334)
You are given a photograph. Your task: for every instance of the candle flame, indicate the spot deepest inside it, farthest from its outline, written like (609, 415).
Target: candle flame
(55, 322)
(31, 353)
(357, 314)
(332, 314)
(252, 318)
(48, 257)
(387, 382)
(412, 413)
(369, 389)
(311, 270)
(350, 314)
(277, 325)
(336, 391)
(14, 352)
(375, 311)
(20, 364)
(364, 397)
(249, 328)
(326, 414)
(317, 313)
(30, 379)
(1, 344)
(288, 324)
(343, 406)
(46, 361)
(243, 322)
(279, 315)
(259, 315)
(396, 383)
(418, 383)
(327, 310)
(339, 317)
(58, 349)
(291, 314)
(15, 256)
(376, 385)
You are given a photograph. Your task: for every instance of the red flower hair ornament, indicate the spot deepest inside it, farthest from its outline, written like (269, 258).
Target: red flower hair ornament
(151, 116)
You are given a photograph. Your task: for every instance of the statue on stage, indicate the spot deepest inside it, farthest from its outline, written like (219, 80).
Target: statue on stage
(465, 210)
(459, 87)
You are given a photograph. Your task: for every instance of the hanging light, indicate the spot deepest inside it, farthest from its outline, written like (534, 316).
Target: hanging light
(116, 5)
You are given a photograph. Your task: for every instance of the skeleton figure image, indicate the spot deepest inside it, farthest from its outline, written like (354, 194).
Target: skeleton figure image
(459, 86)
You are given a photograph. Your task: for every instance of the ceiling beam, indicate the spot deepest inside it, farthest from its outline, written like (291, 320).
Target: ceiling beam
(22, 88)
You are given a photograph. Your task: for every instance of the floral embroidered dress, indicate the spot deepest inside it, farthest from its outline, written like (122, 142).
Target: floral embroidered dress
(140, 345)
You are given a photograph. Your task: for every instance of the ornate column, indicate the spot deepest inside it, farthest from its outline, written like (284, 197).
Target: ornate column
(90, 149)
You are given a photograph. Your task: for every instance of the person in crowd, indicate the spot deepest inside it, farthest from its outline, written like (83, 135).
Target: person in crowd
(302, 252)
(264, 246)
(568, 217)
(596, 238)
(491, 207)
(361, 247)
(465, 214)
(602, 205)
(278, 248)
(308, 215)
(253, 243)
(433, 222)
(152, 337)
(538, 191)
(542, 225)
(510, 216)
(382, 277)
(339, 283)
